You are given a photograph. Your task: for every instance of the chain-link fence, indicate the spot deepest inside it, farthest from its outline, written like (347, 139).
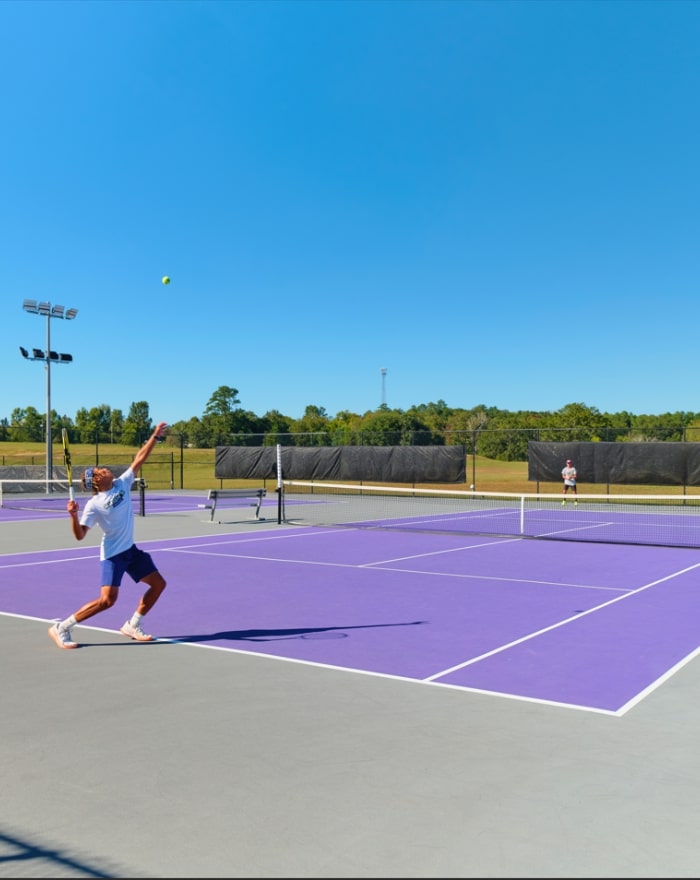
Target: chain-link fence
(496, 457)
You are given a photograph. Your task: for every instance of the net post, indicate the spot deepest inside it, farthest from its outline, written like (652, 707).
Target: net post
(280, 511)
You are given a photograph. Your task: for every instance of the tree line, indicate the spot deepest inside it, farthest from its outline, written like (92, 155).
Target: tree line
(488, 431)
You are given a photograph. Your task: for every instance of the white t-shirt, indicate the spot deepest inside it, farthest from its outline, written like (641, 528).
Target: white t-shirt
(569, 475)
(113, 512)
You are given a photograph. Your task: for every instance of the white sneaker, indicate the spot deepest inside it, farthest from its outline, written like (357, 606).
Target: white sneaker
(135, 632)
(62, 637)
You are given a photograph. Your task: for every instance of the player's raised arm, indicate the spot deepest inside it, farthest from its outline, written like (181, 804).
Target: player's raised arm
(147, 448)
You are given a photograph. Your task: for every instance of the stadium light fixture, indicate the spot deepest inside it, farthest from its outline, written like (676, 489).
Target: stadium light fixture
(47, 357)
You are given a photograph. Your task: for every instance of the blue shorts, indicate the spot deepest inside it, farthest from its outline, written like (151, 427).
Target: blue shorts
(136, 563)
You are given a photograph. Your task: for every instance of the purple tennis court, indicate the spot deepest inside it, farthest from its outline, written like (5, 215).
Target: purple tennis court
(32, 506)
(591, 626)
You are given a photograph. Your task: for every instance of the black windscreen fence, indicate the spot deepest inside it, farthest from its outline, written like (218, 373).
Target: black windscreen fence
(380, 464)
(658, 464)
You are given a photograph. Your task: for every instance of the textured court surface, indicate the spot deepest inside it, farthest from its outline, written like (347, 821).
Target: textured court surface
(325, 705)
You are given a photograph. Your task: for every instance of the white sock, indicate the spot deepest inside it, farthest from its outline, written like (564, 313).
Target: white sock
(136, 619)
(68, 623)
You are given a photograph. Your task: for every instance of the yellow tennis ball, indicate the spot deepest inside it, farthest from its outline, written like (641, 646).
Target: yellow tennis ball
(166, 280)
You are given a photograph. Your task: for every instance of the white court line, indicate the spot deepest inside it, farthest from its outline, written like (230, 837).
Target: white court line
(276, 658)
(496, 543)
(561, 623)
(409, 571)
(48, 561)
(229, 539)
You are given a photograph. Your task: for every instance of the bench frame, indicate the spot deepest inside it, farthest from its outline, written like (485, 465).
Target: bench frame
(214, 495)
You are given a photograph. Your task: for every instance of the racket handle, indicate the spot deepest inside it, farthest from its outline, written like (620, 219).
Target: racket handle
(71, 493)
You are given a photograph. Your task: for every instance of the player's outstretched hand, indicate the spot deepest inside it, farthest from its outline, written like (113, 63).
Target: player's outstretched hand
(72, 507)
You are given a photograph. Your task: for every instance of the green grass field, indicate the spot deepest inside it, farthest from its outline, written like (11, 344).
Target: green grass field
(164, 468)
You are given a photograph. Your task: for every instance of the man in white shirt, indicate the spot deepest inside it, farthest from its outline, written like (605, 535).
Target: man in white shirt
(111, 508)
(568, 475)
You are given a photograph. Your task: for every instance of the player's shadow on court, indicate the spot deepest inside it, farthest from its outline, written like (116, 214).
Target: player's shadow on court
(272, 635)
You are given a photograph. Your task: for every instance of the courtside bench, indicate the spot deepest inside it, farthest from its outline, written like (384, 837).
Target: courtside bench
(215, 494)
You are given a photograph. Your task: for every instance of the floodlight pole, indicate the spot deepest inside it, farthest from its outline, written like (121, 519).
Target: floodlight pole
(49, 439)
(49, 311)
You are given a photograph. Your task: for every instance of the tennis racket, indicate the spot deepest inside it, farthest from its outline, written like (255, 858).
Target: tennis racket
(67, 462)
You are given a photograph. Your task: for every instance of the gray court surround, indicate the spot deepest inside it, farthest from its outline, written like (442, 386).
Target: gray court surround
(177, 760)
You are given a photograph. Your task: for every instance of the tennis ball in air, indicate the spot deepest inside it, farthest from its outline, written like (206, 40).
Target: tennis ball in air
(166, 280)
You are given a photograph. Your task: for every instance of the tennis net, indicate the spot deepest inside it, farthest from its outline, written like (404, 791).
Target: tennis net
(663, 520)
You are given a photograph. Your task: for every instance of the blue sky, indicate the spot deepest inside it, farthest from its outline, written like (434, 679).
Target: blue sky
(497, 202)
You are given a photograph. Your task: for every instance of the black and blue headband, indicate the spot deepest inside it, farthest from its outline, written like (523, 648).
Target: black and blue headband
(87, 478)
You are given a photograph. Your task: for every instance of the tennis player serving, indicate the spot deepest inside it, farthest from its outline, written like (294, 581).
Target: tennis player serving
(111, 508)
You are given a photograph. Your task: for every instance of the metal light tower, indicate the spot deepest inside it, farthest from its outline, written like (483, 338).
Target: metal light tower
(45, 309)
(383, 372)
